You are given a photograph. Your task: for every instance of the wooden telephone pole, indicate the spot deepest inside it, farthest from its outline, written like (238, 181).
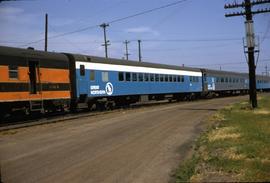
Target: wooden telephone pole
(126, 44)
(250, 36)
(139, 48)
(46, 33)
(106, 43)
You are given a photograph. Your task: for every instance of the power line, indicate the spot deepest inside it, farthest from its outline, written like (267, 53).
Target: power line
(135, 40)
(147, 11)
(110, 22)
(227, 63)
(266, 32)
(192, 40)
(73, 44)
(62, 34)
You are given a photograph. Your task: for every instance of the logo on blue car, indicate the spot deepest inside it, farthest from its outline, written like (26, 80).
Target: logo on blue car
(109, 88)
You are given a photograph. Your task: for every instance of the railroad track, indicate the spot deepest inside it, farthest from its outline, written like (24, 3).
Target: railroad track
(81, 113)
(27, 121)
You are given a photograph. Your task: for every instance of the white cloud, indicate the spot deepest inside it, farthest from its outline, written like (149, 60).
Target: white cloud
(142, 29)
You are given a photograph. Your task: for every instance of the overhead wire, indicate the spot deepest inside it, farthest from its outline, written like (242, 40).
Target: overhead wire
(110, 22)
(147, 11)
(266, 32)
(226, 63)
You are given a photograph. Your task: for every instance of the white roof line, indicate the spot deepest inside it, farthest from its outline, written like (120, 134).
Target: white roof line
(138, 69)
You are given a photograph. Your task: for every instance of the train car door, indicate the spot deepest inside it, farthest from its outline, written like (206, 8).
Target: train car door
(204, 81)
(35, 86)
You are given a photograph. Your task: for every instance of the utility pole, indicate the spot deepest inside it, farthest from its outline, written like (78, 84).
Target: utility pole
(248, 13)
(266, 70)
(127, 54)
(106, 43)
(140, 54)
(46, 32)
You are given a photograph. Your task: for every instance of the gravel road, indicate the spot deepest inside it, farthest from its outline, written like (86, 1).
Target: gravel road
(138, 145)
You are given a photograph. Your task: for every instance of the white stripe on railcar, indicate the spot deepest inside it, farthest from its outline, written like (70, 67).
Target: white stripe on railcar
(125, 68)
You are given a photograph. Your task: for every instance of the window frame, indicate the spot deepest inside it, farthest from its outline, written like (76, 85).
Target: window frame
(105, 76)
(13, 69)
(140, 77)
(161, 77)
(123, 75)
(146, 77)
(128, 79)
(157, 77)
(166, 79)
(92, 74)
(134, 79)
(82, 70)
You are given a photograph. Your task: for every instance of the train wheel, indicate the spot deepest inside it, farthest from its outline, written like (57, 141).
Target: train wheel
(92, 106)
(100, 106)
(109, 105)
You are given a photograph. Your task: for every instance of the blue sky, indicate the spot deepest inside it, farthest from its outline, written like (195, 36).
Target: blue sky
(197, 32)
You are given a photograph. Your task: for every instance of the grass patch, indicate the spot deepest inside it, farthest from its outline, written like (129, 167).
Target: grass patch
(235, 148)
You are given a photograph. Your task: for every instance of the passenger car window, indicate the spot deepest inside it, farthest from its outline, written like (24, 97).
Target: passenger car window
(134, 77)
(140, 76)
(222, 80)
(92, 75)
(161, 76)
(127, 76)
(170, 78)
(82, 70)
(166, 78)
(120, 76)
(178, 78)
(152, 77)
(13, 71)
(105, 76)
(157, 77)
(146, 77)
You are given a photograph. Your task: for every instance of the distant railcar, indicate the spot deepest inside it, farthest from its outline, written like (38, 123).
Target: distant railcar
(225, 82)
(263, 83)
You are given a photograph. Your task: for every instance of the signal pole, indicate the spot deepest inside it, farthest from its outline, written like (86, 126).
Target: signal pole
(46, 32)
(248, 13)
(127, 54)
(140, 54)
(106, 43)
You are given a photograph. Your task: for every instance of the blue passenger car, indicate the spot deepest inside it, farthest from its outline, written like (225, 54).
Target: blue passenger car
(99, 77)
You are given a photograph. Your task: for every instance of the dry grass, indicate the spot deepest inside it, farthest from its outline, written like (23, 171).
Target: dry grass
(262, 111)
(232, 154)
(225, 133)
(236, 148)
